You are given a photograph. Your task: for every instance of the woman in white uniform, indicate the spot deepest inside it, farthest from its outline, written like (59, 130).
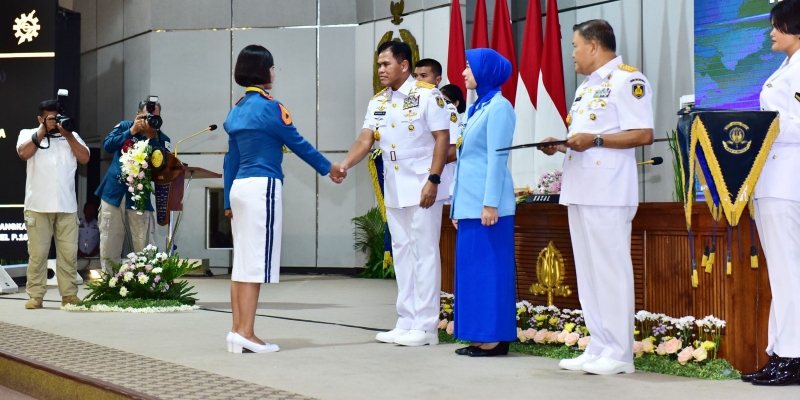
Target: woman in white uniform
(777, 204)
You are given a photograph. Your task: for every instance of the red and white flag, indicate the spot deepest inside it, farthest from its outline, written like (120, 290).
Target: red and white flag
(522, 164)
(456, 56)
(551, 110)
(503, 43)
(480, 38)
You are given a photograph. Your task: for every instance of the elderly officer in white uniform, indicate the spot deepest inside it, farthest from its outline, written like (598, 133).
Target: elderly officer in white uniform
(410, 124)
(611, 115)
(777, 204)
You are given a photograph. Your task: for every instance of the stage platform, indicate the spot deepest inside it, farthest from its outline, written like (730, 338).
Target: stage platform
(325, 326)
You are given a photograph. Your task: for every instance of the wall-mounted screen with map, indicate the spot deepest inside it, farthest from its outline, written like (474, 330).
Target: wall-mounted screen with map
(732, 52)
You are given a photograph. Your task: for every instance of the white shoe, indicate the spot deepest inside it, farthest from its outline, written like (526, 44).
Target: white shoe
(242, 345)
(389, 337)
(417, 338)
(607, 366)
(575, 364)
(228, 339)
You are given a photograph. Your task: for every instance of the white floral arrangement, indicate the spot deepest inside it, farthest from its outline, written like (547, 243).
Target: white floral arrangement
(145, 310)
(685, 339)
(549, 183)
(136, 175)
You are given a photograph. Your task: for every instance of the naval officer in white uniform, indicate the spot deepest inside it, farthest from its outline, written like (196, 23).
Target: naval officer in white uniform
(611, 115)
(410, 123)
(777, 204)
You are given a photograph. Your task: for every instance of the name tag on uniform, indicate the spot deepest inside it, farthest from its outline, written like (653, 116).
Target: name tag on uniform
(379, 113)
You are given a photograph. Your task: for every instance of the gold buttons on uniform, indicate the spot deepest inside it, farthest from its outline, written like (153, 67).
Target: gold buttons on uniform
(592, 117)
(581, 111)
(396, 167)
(394, 145)
(570, 158)
(769, 85)
(598, 163)
(394, 105)
(392, 124)
(774, 157)
(429, 170)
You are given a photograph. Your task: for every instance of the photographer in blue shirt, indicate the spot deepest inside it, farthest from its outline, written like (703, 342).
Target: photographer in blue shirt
(116, 202)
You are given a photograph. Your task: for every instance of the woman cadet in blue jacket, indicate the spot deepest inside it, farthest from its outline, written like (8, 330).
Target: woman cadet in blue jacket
(258, 127)
(483, 213)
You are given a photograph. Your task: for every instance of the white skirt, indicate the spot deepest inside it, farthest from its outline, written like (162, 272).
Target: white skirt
(257, 225)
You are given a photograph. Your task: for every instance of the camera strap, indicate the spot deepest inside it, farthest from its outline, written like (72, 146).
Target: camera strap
(35, 140)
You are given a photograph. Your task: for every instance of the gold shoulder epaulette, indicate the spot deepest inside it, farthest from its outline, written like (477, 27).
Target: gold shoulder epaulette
(379, 93)
(426, 85)
(626, 67)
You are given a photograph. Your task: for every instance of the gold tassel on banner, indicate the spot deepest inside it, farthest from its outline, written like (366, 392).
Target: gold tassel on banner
(387, 259)
(704, 262)
(753, 257)
(712, 258)
(694, 278)
(728, 263)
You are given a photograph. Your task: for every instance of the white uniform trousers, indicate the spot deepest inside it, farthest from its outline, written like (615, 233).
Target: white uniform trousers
(778, 223)
(417, 264)
(601, 245)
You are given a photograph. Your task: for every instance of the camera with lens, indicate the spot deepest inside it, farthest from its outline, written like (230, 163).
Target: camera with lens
(61, 117)
(154, 121)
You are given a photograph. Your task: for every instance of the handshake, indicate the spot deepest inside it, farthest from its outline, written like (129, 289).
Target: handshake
(338, 172)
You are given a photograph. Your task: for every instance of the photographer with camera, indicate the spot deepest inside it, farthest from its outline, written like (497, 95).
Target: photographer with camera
(116, 202)
(52, 152)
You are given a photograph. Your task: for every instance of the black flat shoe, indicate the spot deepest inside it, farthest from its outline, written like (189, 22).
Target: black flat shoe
(465, 351)
(500, 350)
(788, 374)
(766, 370)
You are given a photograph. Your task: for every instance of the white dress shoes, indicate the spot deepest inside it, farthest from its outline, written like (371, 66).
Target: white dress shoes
(241, 345)
(607, 366)
(389, 337)
(575, 364)
(417, 338)
(228, 339)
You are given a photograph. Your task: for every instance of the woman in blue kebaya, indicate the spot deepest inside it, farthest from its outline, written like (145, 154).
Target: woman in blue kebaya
(483, 213)
(258, 127)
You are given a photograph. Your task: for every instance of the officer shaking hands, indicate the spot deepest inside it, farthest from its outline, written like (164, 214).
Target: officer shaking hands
(410, 123)
(611, 115)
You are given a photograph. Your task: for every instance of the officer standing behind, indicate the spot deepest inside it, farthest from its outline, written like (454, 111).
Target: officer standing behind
(411, 125)
(89, 232)
(612, 114)
(777, 204)
(116, 202)
(51, 208)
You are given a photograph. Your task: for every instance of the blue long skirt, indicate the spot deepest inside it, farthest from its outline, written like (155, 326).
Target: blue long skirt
(485, 295)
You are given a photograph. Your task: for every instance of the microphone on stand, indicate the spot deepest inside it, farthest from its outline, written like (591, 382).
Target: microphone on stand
(209, 128)
(653, 161)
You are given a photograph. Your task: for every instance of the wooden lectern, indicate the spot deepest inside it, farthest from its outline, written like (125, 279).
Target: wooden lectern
(169, 177)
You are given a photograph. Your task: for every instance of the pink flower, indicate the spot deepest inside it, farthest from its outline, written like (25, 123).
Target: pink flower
(450, 326)
(530, 333)
(130, 189)
(521, 336)
(157, 278)
(130, 179)
(583, 342)
(672, 346)
(572, 338)
(148, 268)
(685, 355)
(638, 349)
(540, 336)
(144, 164)
(647, 346)
(141, 174)
(660, 350)
(140, 274)
(442, 323)
(552, 337)
(139, 186)
(562, 336)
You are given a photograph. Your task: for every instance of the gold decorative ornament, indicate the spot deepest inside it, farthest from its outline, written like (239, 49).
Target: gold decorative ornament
(157, 158)
(550, 274)
(397, 11)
